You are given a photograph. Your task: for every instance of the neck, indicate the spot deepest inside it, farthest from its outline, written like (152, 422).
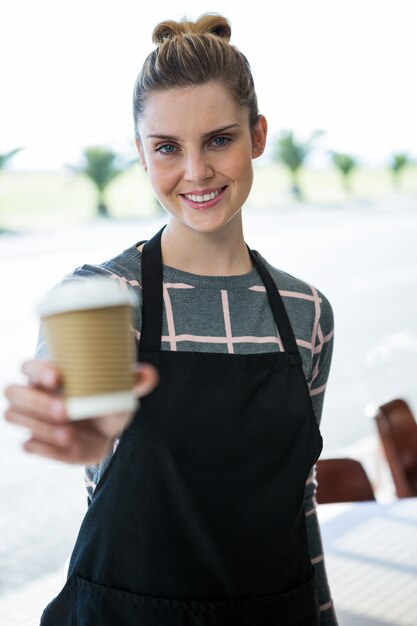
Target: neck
(206, 254)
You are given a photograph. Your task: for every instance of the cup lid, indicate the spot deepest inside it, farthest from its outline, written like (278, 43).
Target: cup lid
(85, 293)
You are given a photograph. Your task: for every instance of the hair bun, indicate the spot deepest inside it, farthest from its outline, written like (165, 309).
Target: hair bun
(211, 23)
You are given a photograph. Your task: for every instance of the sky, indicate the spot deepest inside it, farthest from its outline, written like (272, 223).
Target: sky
(68, 69)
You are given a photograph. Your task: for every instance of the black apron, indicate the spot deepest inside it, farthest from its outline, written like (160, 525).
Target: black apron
(199, 518)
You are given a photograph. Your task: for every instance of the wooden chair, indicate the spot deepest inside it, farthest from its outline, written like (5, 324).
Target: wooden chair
(342, 480)
(397, 430)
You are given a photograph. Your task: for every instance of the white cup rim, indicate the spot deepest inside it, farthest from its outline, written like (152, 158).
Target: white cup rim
(82, 293)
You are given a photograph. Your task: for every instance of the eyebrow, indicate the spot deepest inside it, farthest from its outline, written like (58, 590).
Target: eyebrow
(216, 131)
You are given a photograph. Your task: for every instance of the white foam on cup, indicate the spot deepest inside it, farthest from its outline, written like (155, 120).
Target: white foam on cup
(80, 294)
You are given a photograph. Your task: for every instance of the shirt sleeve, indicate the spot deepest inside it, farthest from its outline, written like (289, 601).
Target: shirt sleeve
(322, 357)
(93, 473)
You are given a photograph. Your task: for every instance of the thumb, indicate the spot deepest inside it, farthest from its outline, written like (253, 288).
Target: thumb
(146, 378)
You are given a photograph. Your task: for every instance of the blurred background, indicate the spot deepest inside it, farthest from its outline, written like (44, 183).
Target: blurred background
(334, 202)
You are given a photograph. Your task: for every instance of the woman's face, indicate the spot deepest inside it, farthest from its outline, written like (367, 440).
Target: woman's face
(197, 147)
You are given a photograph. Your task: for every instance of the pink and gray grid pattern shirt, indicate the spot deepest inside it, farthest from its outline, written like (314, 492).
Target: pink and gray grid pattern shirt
(231, 314)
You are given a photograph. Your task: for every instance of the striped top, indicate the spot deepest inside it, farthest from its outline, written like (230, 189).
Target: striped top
(231, 314)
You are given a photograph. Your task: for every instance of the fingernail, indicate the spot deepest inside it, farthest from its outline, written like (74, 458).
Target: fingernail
(48, 378)
(27, 446)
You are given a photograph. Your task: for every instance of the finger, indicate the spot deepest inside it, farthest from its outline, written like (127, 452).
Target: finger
(69, 454)
(36, 403)
(43, 373)
(146, 379)
(88, 450)
(46, 431)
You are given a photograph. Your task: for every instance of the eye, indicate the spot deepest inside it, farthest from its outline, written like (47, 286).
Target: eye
(167, 148)
(220, 142)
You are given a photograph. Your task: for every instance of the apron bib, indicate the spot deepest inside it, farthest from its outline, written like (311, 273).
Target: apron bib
(199, 518)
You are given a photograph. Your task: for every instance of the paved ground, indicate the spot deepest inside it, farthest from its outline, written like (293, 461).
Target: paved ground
(363, 257)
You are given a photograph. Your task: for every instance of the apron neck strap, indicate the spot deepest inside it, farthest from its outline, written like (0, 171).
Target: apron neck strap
(152, 295)
(278, 309)
(152, 298)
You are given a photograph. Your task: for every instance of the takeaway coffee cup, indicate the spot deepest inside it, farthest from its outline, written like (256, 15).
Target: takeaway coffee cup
(89, 334)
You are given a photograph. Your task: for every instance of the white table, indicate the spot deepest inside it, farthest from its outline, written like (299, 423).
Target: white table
(371, 558)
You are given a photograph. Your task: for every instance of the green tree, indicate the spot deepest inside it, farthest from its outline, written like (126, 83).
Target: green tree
(345, 163)
(101, 166)
(293, 153)
(4, 158)
(397, 163)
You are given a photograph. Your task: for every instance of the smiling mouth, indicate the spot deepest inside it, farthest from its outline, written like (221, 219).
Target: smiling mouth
(204, 197)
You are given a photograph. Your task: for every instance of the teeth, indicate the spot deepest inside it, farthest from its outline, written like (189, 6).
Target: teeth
(205, 198)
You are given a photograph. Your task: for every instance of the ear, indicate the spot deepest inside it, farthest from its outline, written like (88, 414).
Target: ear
(141, 153)
(259, 134)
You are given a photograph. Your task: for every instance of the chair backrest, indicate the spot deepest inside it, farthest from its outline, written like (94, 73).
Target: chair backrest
(397, 430)
(342, 480)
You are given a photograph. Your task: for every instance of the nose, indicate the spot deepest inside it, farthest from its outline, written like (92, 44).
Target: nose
(198, 166)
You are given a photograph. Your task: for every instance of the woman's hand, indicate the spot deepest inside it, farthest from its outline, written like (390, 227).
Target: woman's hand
(38, 407)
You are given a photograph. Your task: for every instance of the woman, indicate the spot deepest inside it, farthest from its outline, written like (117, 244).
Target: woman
(204, 515)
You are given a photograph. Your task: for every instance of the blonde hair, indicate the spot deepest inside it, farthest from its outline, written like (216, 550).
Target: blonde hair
(194, 53)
